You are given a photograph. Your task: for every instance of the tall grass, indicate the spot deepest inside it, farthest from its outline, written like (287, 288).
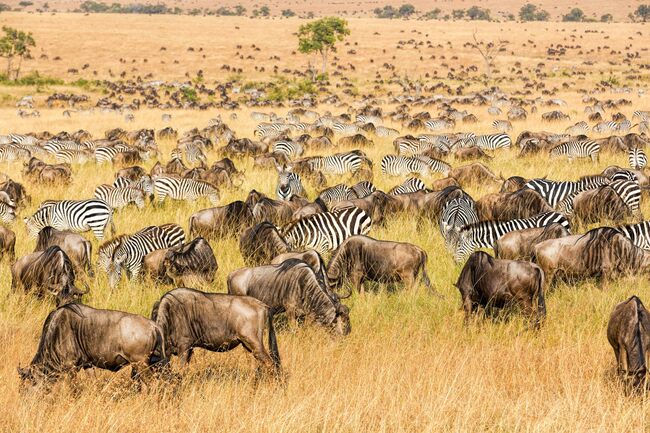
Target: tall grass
(409, 364)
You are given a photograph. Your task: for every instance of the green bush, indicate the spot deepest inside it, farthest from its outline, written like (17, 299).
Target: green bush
(476, 13)
(529, 12)
(31, 79)
(576, 15)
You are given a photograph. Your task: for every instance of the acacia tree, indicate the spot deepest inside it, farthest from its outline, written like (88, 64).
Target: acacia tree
(15, 45)
(321, 36)
(489, 51)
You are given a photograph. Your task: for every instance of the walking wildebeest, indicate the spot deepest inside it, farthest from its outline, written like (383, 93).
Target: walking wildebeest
(222, 221)
(362, 258)
(520, 244)
(261, 243)
(190, 263)
(292, 287)
(48, 272)
(628, 332)
(77, 336)
(7, 243)
(312, 258)
(492, 283)
(216, 322)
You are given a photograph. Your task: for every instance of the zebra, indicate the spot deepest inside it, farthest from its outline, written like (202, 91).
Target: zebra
(375, 120)
(606, 126)
(289, 184)
(628, 190)
(74, 215)
(270, 129)
(555, 192)
(439, 124)
(346, 128)
(637, 158)
(639, 234)
(412, 184)
(289, 148)
(106, 153)
(394, 165)
(577, 129)
(145, 183)
(642, 116)
(408, 145)
(117, 198)
(383, 131)
(194, 153)
(456, 214)
(493, 141)
(363, 189)
(71, 156)
(130, 253)
(337, 193)
(11, 152)
(24, 140)
(7, 213)
(484, 234)
(624, 126)
(325, 231)
(339, 163)
(577, 149)
(184, 189)
(502, 125)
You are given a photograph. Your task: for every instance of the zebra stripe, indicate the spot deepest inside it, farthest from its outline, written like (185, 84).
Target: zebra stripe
(412, 184)
(337, 193)
(289, 148)
(117, 198)
(577, 149)
(485, 233)
(346, 128)
(145, 183)
(289, 184)
(394, 165)
(502, 125)
(340, 163)
(363, 189)
(74, 215)
(439, 124)
(493, 141)
(457, 213)
(555, 192)
(639, 234)
(11, 152)
(106, 153)
(184, 189)
(7, 213)
(72, 156)
(637, 158)
(325, 231)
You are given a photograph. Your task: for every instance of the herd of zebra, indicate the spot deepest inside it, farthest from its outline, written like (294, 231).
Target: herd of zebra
(337, 219)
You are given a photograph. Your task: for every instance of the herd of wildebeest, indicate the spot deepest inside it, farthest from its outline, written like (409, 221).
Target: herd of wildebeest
(305, 256)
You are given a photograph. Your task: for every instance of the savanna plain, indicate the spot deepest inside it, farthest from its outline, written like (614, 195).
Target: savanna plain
(410, 363)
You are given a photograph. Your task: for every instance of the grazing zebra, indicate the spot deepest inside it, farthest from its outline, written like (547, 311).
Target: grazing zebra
(394, 165)
(382, 131)
(502, 125)
(413, 146)
(270, 129)
(577, 129)
(184, 189)
(107, 153)
(117, 198)
(289, 148)
(10, 152)
(639, 234)
(130, 253)
(325, 231)
(457, 213)
(412, 184)
(289, 184)
(74, 215)
(363, 189)
(339, 163)
(485, 233)
(346, 128)
(577, 149)
(555, 192)
(145, 183)
(23, 140)
(194, 153)
(606, 126)
(337, 193)
(493, 141)
(71, 156)
(7, 213)
(624, 126)
(637, 158)
(439, 124)
(375, 120)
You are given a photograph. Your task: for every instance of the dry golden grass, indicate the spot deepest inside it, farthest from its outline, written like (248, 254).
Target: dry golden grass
(409, 363)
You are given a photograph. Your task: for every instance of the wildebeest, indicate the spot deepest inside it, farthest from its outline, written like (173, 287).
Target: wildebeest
(191, 263)
(312, 258)
(76, 247)
(473, 173)
(512, 184)
(16, 192)
(362, 258)
(77, 336)
(292, 287)
(216, 322)
(520, 244)
(46, 272)
(261, 243)
(40, 172)
(596, 205)
(493, 283)
(628, 331)
(222, 221)
(524, 203)
(7, 243)
(602, 252)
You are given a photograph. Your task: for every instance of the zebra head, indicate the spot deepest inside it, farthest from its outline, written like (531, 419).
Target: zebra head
(289, 183)
(7, 213)
(465, 246)
(37, 221)
(115, 266)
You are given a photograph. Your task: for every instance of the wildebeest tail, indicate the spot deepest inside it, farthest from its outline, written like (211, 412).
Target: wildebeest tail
(541, 303)
(154, 311)
(273, 342)
(638, 342)
(423, 274)
(89, 254)
(159, 356)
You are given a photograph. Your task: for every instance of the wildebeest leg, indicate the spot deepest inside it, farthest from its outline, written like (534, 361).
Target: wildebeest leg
(467, 307)
(622, 359)
(185, 356)
(255, 344)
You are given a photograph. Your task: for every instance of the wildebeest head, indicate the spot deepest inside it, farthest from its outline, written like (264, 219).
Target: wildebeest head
(342, 320)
